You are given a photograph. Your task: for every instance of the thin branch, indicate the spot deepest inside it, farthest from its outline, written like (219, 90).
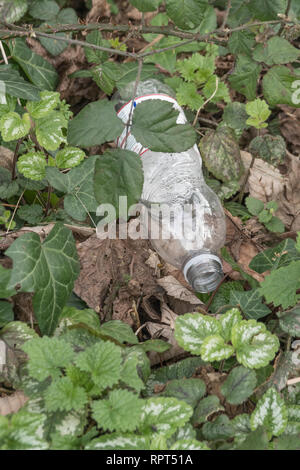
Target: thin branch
(3, 53)
(226, 15)
(207, 101)
(13, 173)
(14, 212)
(287, 11)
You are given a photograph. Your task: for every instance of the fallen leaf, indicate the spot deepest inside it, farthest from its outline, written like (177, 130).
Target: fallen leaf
(177, 290)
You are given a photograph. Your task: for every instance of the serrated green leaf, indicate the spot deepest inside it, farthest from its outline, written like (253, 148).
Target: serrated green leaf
(227, 322)
(191, 330)
(44, 9)
(205, 408)
(13, 126)
(290, 321)
(63, 395)
(197, 68)
(255, 440)
(259, 112)
(129, 373)
(250, 303)
(187, 95)
(94, 56)
(222, 297)
(78, 186)
(106, 75)
(73, 316)
(245, 77)
(277, 86)
(275, 257)
(214, 348)
(47, 356)
(235, 116)
(241, 42)
(32, 165)
(15, 84)
(120, 412)
(216, 91)
(154, 126)
(276, 51)
(219, 429)
(270, 412)
(239, 385)
(32, 214)
(164, 415)
(103, 362)
(69, 157)
(187, 14)
(120, 331)
(49, 131)
(255, 346)
(221, 154)
(38, 70)
(188, 390)
(265, 10)
(95, 124)
(275, 225)
(117, 441)
(118, 173)
(282, 293)
(37, 268)
(65, 16)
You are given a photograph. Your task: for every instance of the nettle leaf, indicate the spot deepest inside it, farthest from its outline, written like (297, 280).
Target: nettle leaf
(245, 77)
(47, 356)
(188, 390)
(239, 385)
(120, 412)
(154, 126)
(103, 362)
(118, 173)
(23, 431)
(49, 131)
(276, 51)
(259, 112)
(275, 257)
(197, 68)
(4, 280)
(187, 14)
(205, 408)
(78, 186)
(8, 188)
(12, 11)
(38, 70)
(192, 328)
(165, 415)
(69, 157)
(32, 214)
(290, 321)
(278, 86)
(250, 302)
(227, 322)
(117, 441)
(187, 95)
(271, 413)
(282, 293)
(120, 331)
(13, 126)
(255, 346)
(63, 395)
(95, 124)
(241, 42)
(221, 154)
(32, 165)
(49, 100)
(15, 84)
(214, 348)
(271, 148)
(37, 268)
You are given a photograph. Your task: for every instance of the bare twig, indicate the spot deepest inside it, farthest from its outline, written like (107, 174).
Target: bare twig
(14, 212)
(207, 101)
(13, 172)
(226, 15)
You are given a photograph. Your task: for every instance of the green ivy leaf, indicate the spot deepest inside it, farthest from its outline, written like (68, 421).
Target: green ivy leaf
(6, 313)
(47, 356)
(120, 412)
(277, 86)
(250, 303)
(4, 280)
(187, 14)
(69, 157)
(222, 92)
(255, 346)
(259, 112)
(154, 126)
(214, 348)
(191, 330)
(118, 173)
(103, 362)
(165, 415)
(275, 257)
(63, 395)
(78, 186)
(32, 214)
(95, 124)
(276, 51)
(245, 77)
(32, 165)
(49, 130)
(271, 413)
(282, 293)
(290, 322)
(239, 385)
(38, 70)
(37, 268)
(13, 126)
(15, 85)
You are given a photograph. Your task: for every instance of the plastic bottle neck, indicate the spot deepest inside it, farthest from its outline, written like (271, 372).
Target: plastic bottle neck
(203, 271)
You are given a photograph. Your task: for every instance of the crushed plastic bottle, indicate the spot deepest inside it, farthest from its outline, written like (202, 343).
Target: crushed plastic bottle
(193, 231)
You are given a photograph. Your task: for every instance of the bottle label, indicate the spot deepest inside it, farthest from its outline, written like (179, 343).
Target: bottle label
(127, 140)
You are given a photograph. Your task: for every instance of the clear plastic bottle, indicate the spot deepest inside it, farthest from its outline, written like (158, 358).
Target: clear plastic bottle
(190, 236)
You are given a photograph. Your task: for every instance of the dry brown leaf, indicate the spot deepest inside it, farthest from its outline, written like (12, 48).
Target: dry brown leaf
(290, 125)
(100, 8)
(168, 317)
(175, 289)
(12, 403)
(6, 158)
